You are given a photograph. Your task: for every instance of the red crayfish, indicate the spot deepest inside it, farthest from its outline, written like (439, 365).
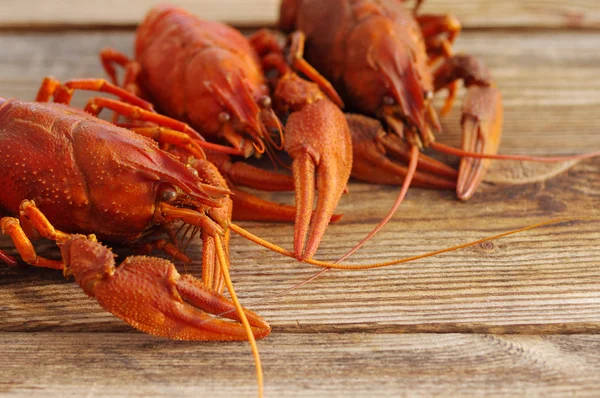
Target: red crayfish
(385, 62)
(66, 169)
(209, 75)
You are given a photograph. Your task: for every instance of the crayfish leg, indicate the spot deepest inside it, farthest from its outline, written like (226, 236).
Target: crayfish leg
(31, 216)
(111, 57)
(9, 260)
(299, 64)
(381, 158)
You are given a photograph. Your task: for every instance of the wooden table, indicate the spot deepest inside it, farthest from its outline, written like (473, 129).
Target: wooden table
(519, 315)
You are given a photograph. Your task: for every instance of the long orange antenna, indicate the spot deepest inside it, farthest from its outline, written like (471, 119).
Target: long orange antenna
(9, 260)
(544, 159)
(240, 311)
(412, 167)
(327, 266)
(242, 232)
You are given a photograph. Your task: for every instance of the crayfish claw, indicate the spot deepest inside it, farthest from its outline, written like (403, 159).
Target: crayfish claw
(328, 174)
(381, 158)
(318, 139)
(482, 129)
(149, 294)
(204, 300)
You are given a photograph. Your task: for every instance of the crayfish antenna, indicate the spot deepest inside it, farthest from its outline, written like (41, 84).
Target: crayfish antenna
(499, 156)
(412, 168)
(475, 163)
(324, 264)
(242, 313)
(401, 195)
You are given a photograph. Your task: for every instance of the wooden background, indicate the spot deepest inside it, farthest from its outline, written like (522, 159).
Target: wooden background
(518, 315)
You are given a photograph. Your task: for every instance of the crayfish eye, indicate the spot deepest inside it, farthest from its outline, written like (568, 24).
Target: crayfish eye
(264, 102)
(168, 194)
(388, 100)
(224, 117)
(192, 170)
(428, 94)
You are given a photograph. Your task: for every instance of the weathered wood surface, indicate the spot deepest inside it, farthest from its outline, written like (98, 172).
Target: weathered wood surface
(300, 365)
(473, 14)
(541, 282)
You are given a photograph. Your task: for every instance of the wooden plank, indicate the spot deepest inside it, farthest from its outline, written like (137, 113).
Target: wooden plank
(473, 14)
(544, 281)
(299, 365)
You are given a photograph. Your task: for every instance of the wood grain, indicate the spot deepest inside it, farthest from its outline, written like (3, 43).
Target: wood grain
(300, 365)
(473, 14)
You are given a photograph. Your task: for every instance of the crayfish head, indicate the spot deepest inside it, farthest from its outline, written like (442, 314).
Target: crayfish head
(389, 77)
(208, 174)
(246, 116)
(406, 106)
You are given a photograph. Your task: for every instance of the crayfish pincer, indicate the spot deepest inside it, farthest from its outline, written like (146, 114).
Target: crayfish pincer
(146, 292)
(317, 137)
(69, 177)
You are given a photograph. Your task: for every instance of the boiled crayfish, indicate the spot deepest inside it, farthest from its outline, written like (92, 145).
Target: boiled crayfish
(388, 62)
(70, 177)
(64, 168)
(209, 75)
